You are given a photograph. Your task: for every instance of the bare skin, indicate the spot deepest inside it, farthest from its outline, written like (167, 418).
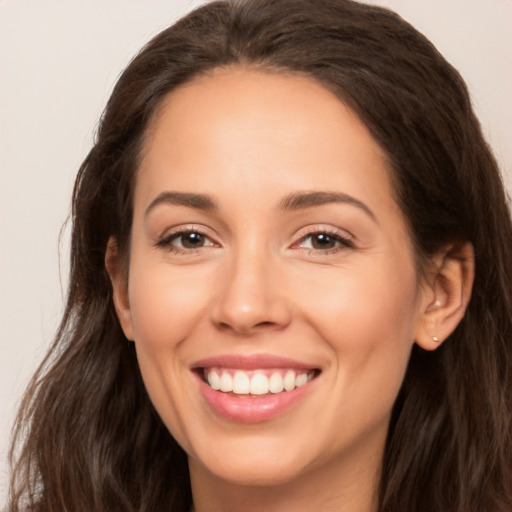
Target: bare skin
(264, 223)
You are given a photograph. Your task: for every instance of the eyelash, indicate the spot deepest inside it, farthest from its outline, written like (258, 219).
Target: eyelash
(344, 242)
(167, 241)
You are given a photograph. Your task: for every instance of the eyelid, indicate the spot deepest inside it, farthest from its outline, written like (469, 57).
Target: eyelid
(344, 237)
(164, 241)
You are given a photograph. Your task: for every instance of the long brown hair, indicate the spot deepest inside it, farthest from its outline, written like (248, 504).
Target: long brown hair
(87, 436)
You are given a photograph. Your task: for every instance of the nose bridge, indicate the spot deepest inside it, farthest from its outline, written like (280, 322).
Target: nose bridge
(251, 295)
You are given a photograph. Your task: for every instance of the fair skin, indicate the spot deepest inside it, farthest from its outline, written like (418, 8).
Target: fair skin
(249, 268)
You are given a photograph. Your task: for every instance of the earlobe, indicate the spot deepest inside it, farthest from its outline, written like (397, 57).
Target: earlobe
(119, 281)
(449, 291)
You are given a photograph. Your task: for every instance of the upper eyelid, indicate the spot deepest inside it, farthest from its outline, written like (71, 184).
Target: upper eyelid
(323, 228)
(169, 234)
(186, 228)
(344, 242)
(168, 244)
(345, 239)
(299, 235)
(179, 234)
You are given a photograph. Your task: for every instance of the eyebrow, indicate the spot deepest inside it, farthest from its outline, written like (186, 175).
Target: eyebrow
(301, 200)
(296, 201)
(199, 201)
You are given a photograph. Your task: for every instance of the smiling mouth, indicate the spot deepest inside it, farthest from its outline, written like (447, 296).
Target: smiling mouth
(256, 383)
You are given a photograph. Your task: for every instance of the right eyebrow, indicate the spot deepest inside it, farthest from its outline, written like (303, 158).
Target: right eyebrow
(199, 201)
(308, 199)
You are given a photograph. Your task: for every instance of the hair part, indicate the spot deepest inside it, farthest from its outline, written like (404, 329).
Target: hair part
(88, 435)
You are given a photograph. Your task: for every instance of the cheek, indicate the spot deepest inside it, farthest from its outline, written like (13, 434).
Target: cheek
(355, 307)
(369, 330)
(165, 304)
(165, 307)
(368, 321)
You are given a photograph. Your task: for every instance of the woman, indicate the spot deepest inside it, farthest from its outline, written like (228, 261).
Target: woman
(290, 281)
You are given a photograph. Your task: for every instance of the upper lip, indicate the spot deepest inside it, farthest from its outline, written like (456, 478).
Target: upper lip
(251, 362)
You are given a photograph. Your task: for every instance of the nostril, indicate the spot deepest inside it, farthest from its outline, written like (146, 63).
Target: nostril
(224, 326)
(264, 324)
(246, 328)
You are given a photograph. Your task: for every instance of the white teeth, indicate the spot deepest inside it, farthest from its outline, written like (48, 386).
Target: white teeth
(289, 380)
(256, 382)
(214, 380)
(226, 382)
(259, 384)
(241, 383)
(301, 380)
(275, 383)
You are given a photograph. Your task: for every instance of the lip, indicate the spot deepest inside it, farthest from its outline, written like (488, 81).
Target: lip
(253, 362)
(251, 409)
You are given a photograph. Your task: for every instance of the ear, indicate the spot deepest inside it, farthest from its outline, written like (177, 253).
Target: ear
(119, 280)
(446, 294)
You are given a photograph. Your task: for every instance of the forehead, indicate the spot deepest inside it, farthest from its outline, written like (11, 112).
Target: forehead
(249, 128)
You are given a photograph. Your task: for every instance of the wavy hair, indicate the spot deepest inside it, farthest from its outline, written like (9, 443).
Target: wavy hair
(87, 436)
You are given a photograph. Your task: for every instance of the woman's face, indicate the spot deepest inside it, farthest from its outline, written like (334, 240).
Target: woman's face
(269, 258)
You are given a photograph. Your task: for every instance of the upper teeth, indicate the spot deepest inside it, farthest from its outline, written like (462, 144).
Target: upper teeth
(256, 382)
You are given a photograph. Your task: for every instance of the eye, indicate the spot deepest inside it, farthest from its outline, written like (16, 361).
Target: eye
(190, 240)
(324, 241)
(184, 241)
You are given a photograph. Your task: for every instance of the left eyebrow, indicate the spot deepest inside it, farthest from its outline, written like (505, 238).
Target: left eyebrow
(301, 200)
(190, 200)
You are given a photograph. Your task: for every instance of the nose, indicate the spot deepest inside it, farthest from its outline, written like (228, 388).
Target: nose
(252, 296)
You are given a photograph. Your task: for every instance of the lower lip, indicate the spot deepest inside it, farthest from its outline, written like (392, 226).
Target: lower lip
(252, 409)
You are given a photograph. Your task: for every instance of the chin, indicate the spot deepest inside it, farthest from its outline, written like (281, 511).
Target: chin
(240, 473)
(253, 463)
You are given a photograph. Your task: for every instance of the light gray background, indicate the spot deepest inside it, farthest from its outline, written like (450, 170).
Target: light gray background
(58, 63)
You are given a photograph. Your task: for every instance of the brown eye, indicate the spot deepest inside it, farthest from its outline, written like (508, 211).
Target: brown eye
(323, 241)
(185, 241)
(191, 240)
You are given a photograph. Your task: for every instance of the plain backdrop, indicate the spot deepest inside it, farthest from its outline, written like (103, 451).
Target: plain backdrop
(58, 63)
